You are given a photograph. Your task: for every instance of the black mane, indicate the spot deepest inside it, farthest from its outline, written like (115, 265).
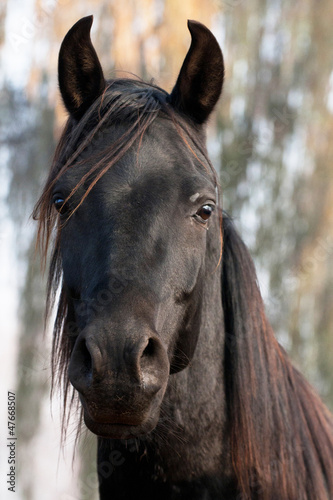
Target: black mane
(281, 432)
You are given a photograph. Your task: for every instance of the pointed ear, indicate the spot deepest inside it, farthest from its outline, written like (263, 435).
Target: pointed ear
(80, 73)
(200, 80)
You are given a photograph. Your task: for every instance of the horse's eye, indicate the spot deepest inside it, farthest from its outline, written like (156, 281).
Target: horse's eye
(204, 213)
(58, 202)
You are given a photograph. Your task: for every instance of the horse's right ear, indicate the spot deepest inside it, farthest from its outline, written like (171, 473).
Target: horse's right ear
(80, 74)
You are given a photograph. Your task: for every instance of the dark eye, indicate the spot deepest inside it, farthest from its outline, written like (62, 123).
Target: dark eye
(58, 202)
(204, 213)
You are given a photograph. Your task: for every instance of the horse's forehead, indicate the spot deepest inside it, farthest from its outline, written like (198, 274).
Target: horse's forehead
(145, 186)
(161, 161)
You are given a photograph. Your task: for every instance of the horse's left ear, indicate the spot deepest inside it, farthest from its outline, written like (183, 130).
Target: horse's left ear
(80, 74)
(200, 80)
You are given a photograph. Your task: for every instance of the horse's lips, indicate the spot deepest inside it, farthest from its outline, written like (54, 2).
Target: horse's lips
(116, 426)
(117, 430)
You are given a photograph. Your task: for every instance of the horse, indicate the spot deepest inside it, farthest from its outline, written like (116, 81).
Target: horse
(160, 327)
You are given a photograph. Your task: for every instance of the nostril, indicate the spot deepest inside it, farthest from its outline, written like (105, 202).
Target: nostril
(153, 366)
(86, 359)
(85, 367)
(149, 350)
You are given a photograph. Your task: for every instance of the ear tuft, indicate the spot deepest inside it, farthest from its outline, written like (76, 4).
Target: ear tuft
(200, 80)
(81, 79)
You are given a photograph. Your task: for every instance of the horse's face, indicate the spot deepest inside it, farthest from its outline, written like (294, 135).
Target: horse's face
(133, 256)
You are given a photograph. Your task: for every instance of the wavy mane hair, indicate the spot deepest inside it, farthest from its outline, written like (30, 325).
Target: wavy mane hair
(281, 433)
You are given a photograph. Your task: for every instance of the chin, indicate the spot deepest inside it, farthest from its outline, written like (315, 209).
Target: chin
(119, 430)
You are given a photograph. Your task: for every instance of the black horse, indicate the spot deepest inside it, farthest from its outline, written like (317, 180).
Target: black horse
(161, 327)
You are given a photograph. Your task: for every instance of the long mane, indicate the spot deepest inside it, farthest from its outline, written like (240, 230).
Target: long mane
(281, 433)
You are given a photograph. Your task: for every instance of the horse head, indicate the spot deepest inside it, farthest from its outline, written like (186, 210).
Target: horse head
(135, 195)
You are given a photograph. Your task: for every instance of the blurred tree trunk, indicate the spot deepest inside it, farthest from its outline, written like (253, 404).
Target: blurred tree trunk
(311, 318)
(29, 126)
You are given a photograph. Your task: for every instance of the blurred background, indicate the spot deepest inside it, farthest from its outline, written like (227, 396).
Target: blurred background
(271, 140)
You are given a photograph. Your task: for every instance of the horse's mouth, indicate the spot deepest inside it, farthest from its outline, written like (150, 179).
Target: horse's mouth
(119, 429)
(118, 419)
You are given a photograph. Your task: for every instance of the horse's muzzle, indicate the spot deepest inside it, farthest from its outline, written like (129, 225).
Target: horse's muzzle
(121, 380)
